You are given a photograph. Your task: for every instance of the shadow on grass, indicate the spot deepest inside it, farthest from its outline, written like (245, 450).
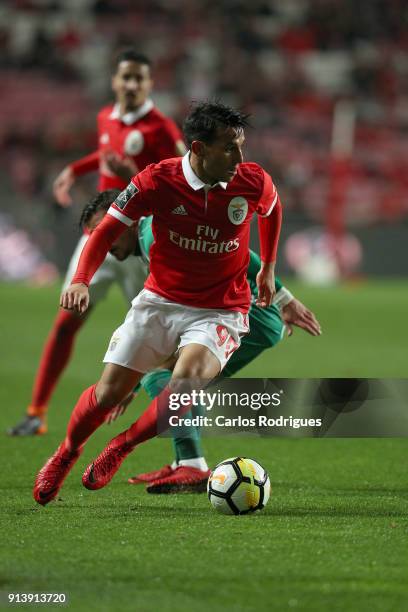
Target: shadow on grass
(366, 488)
(106, 510)
(336, 512)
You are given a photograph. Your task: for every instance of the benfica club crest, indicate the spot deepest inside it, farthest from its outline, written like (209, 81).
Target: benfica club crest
(134, 143)
(237, 210)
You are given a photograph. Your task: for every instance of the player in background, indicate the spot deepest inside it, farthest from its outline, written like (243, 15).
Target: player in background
(132, 133)
(196, 297)
(189, 471)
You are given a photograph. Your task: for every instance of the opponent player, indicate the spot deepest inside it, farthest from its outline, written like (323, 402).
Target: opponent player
(196, 297)
(189, 472)
(132, 133)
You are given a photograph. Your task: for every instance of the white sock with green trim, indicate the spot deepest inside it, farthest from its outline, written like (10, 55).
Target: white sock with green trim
(198, 462)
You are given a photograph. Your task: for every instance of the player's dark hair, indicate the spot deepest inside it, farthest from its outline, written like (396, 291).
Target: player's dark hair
(102, 201)
(129, 54)
(206, 117)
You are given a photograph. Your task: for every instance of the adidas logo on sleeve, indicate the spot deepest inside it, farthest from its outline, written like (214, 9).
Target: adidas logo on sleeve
(180, 210)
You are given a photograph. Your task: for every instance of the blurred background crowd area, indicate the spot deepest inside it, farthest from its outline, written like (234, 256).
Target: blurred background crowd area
(286, 62)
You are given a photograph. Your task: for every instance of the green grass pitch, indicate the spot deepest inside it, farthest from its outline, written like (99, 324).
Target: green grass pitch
(333, 537)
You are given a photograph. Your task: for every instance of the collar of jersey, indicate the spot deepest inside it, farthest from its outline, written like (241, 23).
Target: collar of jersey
(129, 118)
(192, 179)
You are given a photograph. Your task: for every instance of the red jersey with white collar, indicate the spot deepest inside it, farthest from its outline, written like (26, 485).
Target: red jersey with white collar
(200, 252)
(145, 135)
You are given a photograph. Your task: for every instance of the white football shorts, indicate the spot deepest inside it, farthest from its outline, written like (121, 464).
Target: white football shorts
(156, 328)
(129, 274)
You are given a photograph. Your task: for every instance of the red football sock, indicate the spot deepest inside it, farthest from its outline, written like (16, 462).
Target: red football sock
(154, 420)
(54, 358)
(85, 418)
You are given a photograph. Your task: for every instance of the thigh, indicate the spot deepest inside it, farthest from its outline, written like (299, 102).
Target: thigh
(115, 384)
(146, 339)
(197, 362)
(220, 332)
(266, 330)
(266, 326)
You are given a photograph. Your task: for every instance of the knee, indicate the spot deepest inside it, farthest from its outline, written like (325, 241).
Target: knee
(108, 394)
(194, 372)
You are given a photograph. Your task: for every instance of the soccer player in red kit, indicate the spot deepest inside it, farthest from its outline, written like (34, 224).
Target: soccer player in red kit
(132, 133)
(196, 298)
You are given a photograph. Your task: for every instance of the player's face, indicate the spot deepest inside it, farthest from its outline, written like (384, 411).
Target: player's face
(124, 246)
(220, 159)
(132, 84)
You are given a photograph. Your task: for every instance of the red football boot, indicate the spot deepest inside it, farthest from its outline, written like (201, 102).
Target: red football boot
(184, 479)
(165, 471)
(99, 473)
(51, 477)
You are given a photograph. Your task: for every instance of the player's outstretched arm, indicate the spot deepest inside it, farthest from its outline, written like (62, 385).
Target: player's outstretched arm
(66, 178)
(269, 230)
(295, 313)
(93, 254)
(62, 185)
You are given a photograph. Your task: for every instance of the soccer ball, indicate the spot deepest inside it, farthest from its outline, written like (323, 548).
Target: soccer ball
(238, 486)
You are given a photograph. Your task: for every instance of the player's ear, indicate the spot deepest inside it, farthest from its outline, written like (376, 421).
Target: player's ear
(198, 148)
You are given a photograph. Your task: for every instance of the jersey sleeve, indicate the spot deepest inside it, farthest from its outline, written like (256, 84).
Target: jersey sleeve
(269, 229)
(269, 196)
(89, 163)
(170, 142)
(96, 249)
(136, 200)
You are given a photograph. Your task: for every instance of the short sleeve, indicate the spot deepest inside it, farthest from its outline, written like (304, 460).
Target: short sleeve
(168, 141)
(136, 200)
(269, 196)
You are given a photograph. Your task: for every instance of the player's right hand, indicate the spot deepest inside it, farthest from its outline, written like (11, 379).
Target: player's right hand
(75, 298)
(120, 409)
(62, 185)
(125, 168)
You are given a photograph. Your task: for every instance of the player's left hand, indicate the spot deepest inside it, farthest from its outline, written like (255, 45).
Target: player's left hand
(265, 281)
(296, 313)
(120, 409)
(125, 168)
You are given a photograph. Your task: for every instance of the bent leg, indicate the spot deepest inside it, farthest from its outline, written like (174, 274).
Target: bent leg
(55, 356)
(186, 439)
(97, 401)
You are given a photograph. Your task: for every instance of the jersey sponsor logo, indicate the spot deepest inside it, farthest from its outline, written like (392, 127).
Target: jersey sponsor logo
(104, 139)
(125, 196)
(180, 210)
(237, 210)
(134, 143)
(204, 242)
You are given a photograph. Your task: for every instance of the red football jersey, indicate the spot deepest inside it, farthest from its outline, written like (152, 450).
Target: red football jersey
(201, 233)
(145, 135)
